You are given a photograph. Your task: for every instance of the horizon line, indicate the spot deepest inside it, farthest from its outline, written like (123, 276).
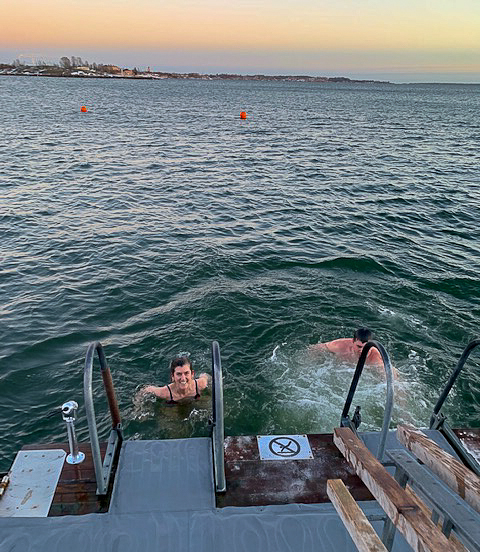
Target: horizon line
(372, 78)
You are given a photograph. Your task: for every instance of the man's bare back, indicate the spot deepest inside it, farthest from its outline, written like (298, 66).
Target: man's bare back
(350, 349)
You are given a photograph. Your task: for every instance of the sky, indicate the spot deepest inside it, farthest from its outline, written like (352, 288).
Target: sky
(395, 40)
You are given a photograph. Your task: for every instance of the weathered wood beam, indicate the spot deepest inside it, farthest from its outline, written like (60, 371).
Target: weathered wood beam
(357, 524)
(452, 472)
(428, 513)
(403, 509)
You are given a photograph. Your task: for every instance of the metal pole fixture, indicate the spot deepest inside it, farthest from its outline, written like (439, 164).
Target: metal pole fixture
(68, 414)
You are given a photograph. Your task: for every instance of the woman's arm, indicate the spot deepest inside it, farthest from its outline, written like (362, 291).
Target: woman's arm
(203, 381)
(161, 392)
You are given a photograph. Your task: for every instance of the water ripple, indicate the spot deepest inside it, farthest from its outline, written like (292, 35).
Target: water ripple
(160, 222)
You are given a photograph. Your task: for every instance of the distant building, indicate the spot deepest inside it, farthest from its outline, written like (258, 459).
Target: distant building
(109, 69)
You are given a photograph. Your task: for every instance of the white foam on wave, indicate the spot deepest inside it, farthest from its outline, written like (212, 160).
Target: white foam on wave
(310, 392)
(386, 312)
(274, 352)
(409, 319)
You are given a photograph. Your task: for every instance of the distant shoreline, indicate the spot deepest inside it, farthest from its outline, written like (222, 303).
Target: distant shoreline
(117, 73)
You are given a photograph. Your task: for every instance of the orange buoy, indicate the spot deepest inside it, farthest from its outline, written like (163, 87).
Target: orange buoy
(83, 109)
(243, 115)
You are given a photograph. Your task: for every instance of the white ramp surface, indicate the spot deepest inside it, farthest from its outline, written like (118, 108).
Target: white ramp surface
(33, 481)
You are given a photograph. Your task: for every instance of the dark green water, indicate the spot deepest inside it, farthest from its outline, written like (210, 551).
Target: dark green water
(159, 221)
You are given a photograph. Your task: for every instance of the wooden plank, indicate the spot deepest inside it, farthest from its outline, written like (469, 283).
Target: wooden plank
(452, 472)
(428, 513)
(402, 508)
(358, 526)
(460, 516)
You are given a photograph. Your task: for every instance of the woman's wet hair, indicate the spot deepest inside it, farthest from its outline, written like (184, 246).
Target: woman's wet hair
(179, 361)
(362, 334)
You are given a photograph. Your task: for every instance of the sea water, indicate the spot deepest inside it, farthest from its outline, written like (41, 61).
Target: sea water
(159, 221)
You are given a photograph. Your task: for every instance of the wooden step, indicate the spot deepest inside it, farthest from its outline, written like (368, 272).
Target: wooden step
(357, 524)
(452, 472)
(470, 439)
(403, 508)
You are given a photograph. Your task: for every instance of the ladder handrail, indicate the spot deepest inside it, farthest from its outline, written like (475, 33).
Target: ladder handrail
(389, 402)
(438, 420)
(102, 472)
(218, 431)
(452, 379)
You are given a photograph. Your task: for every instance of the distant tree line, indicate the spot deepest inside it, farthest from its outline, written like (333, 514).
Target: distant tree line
(64, 62)
(74, 61)
(74, 66)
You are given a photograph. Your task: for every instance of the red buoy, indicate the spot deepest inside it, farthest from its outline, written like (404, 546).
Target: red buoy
(83, 109)
(243, 115)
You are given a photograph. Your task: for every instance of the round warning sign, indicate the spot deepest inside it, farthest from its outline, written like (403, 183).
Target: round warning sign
(285, 447)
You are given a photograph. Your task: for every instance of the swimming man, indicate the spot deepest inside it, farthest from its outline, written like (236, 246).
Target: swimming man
(351, 349)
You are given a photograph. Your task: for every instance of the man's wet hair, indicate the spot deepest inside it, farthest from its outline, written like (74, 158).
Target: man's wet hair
(179, 361)
(362, 334)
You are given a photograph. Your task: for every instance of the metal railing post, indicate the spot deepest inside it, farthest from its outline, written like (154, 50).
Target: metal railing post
(452, 379)
(438, 420)
(68, 414)
(102, 472)
(389, 402)
(218, 420)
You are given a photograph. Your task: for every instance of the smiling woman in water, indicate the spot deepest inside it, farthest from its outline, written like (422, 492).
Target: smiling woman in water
(183, 387)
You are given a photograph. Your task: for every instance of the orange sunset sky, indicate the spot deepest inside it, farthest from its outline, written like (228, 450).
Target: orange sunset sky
(408, 40)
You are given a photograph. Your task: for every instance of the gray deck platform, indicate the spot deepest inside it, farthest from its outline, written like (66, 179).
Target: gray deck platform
(163, 499)
(170, 475)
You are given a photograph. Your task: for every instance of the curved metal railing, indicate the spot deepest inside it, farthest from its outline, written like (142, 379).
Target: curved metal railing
(218, 433)
(438, 420)
(102, 472)
(453, 378)
(345, 420)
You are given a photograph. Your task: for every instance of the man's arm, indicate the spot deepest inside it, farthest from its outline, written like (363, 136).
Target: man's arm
(335, 346)
(375, 358)
(318, 347)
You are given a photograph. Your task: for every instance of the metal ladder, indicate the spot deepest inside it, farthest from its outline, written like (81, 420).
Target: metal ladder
(353, 423)
(438, 420)
(102, 470)
(217, 421)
